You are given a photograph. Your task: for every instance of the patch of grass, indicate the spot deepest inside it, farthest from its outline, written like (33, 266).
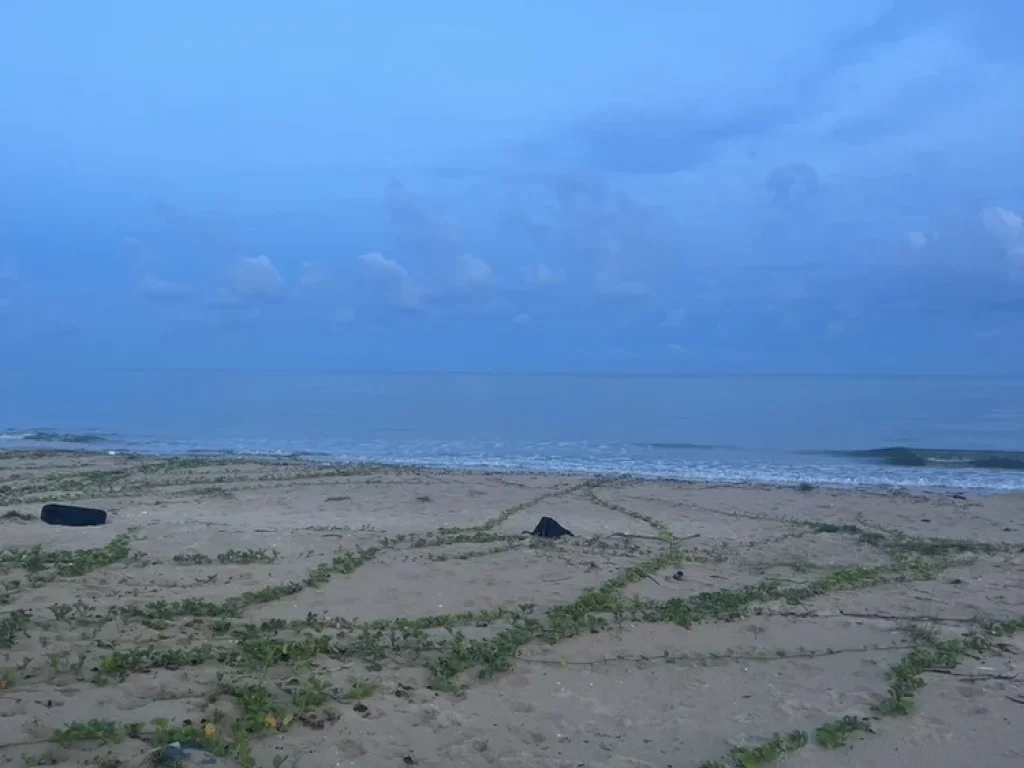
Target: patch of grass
(42, 566)
(192, 558)
(905, 679)
(312, 693)
(259, 711)
(103, 731)
(210, 492)
(779, 745)
(247, 557)
(344, 563)
(595, 608)
(361, 689)
(490, 656)
(839, 732)
(449, 536)
(120, 664)
(347, 562)
(78, 612)
(12, 625)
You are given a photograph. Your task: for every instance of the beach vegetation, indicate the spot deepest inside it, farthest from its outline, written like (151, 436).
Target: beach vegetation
(270, 673)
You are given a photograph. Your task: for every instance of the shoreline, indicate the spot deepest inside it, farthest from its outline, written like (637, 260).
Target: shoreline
(323, 459)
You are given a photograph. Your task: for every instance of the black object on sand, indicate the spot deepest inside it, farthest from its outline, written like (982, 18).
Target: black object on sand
(67, 514)
(548, 528)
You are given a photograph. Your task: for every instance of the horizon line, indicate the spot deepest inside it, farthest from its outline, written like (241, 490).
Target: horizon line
(512, 372)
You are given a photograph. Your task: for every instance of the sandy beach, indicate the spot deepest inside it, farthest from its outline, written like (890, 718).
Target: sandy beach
(302, 614)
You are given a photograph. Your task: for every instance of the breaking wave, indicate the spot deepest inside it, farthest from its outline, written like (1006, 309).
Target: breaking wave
(945, 458)
(53, 436)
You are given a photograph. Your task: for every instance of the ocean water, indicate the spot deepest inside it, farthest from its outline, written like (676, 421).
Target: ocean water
(933, 432)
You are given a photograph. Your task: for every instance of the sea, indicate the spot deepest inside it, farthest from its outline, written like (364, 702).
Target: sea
(959, 433)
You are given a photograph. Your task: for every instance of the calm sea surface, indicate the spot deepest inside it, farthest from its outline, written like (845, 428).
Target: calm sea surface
(775, 429)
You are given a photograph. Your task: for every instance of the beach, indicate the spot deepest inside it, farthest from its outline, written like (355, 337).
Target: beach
(299, 613)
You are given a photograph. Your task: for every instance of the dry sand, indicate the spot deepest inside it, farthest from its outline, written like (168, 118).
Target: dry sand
(791, 609)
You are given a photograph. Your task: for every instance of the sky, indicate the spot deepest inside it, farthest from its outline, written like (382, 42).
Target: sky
(580, 186)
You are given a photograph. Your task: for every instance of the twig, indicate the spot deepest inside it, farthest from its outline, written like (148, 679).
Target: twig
(720, 657)
(882, 616)
(640, 536)
(27, 743)
(971, 678)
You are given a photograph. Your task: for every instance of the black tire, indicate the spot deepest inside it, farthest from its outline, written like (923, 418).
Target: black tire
(66, 514)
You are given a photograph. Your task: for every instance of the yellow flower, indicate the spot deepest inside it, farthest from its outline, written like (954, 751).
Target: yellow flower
(209, 729)
(271, 721)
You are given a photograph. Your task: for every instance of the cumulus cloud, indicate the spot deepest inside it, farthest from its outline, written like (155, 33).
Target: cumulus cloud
(403, 290)
(382, 265)
(472, 270)
(255, 278)
(1007, 227)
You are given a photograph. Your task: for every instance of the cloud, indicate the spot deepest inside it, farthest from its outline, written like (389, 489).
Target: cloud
(666, 140)
(160, 290)
(917, 240)
(1007, 227)
(473, 271)
(863, 73)
(541, 274)
(389, 268)
(404, 292)
(255, 279)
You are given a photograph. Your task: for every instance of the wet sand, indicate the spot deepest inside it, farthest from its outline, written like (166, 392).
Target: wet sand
(291, 613)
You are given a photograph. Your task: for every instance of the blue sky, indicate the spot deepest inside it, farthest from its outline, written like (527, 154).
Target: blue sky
(575, 186)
